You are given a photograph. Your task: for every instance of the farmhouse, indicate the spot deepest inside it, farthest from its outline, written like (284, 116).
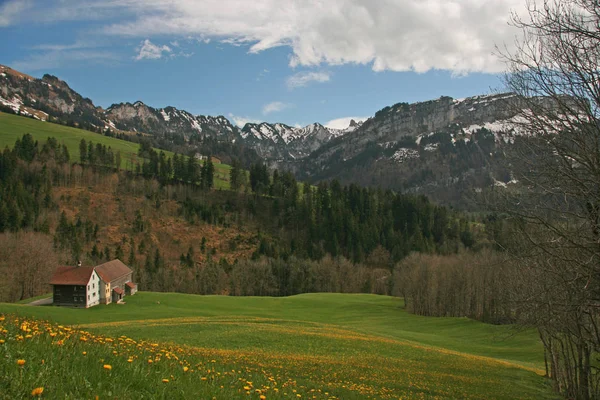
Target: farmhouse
(88, 286)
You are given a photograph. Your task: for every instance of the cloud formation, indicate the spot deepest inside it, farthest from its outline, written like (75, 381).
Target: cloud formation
(397, 35)
(11, 10)
(149, 51)
(301, 79)
(343, 123)
(274, 107)
(241, 121)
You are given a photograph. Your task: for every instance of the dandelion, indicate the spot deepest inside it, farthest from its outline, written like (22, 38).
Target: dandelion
(37, 391)
(150, 361)
(185, 369)
(84, 352)
(20, 363)
(2, 341)
(165, 381)
(107, 367)
(262, 397)
(130, 360)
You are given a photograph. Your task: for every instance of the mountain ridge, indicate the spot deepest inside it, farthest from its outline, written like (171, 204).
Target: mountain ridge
(429, 147)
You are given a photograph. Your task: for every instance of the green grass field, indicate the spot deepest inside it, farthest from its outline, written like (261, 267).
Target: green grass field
(13, 127)
(306, 346)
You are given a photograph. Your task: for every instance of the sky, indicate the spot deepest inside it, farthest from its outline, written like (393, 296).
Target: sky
(290, 61)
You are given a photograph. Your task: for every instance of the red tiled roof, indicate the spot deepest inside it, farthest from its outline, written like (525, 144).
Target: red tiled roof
(131, 285)
(112, 270)
(118, 290)
(72, 275)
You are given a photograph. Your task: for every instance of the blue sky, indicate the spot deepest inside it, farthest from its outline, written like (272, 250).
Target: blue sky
(290, 61)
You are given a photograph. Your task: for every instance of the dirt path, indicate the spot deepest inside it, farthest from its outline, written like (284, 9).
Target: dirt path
(41, 302)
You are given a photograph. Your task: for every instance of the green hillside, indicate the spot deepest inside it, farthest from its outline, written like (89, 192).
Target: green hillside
(306, 346)
(13, 127)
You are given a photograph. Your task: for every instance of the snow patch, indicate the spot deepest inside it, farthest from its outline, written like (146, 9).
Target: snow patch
(165, 115)
(404, 154)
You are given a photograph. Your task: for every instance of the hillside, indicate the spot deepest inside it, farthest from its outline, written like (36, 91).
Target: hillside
(310, 346)
(13, 127)
(444, 148)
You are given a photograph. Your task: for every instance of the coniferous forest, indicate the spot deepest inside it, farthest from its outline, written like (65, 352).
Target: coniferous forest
(291, 237)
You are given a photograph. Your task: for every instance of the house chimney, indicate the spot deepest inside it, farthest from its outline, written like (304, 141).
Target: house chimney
(78, 263)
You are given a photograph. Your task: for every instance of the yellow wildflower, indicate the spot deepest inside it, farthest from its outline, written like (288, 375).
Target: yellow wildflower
(20, 363)
(165, 381)
(37, 391)
(107, 367)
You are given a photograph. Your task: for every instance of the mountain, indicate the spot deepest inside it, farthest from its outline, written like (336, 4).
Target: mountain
(51, 98)
(442, 148)
(138, 117)
(279, 142)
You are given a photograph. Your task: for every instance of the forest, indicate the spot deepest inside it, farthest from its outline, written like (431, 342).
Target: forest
(297, 237)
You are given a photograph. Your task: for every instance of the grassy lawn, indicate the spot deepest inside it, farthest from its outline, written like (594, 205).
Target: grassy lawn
(348, 346)
(13, 127)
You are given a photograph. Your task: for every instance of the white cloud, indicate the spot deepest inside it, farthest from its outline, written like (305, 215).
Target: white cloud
(60, 58)
(11, 11)
(274, 107)
(150, 51)
(343, 123)
(304, 78)
(241, 121)
(398, 35)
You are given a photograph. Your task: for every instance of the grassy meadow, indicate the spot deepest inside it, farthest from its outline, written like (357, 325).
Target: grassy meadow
(324, 346)
(13, 127)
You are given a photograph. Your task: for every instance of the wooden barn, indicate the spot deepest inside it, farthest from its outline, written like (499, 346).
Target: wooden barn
(88, 286)
(75, 287)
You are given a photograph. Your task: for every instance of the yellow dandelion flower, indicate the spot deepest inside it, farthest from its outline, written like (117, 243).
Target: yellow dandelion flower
(37, 391)
(262, 397)
(185, 369)
(20, 363)
(165, 381)
(84, 352)
(107, 367)
(150, 361)
(1, 341)
(130, 360)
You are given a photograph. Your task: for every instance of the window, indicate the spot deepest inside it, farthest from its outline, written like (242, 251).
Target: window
(88, 287)
(88, 296)
(93, 286)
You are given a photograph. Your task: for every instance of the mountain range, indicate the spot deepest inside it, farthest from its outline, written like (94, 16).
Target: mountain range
(440, 147)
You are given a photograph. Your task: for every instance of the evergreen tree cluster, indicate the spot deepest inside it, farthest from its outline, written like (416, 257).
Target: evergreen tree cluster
(25, 185)
(310, 222)
(74, 235)
(98, 154)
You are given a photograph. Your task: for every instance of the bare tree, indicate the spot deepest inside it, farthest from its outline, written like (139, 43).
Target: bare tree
(27, 261)
(555, 75)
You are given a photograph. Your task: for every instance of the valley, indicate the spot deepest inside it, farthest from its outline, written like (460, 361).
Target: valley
(329, 346)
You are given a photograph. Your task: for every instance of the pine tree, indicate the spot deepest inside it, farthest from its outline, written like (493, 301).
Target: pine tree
(131, 260)
(210, 174)
(119, 252)
(234, 175)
